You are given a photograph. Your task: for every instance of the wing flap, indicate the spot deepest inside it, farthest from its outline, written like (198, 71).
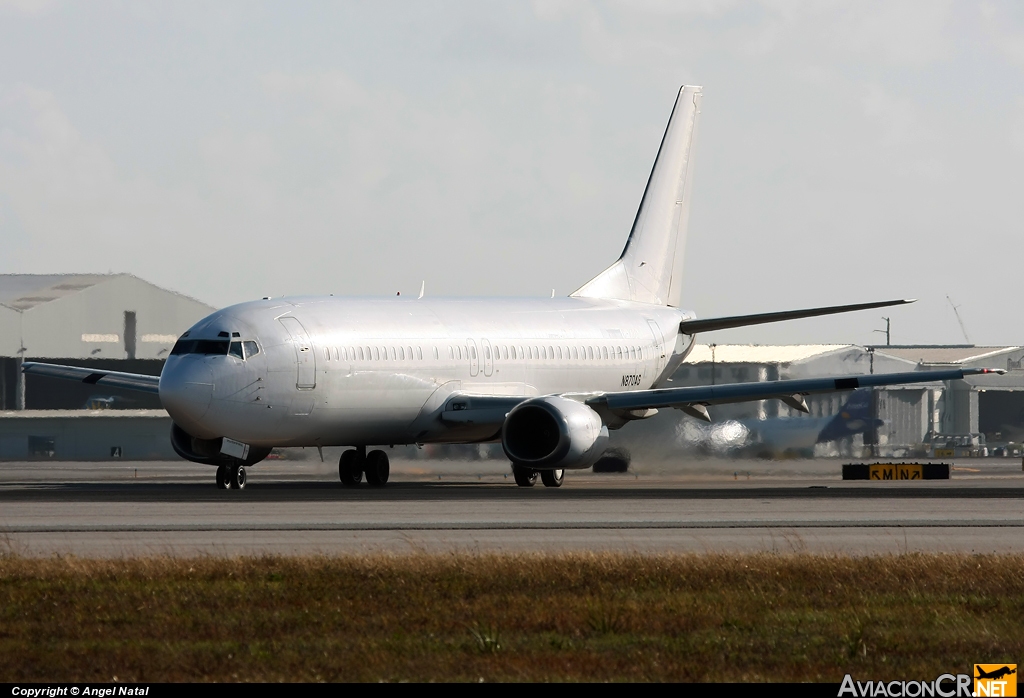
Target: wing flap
(114, 379)
(766, 390)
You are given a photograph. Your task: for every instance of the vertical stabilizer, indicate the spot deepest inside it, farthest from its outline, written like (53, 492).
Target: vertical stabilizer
(650, 268)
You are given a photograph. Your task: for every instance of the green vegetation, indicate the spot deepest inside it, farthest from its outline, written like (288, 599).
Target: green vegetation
(523, 617)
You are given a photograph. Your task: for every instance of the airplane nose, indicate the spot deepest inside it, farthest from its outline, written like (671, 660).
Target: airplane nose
(186, 388)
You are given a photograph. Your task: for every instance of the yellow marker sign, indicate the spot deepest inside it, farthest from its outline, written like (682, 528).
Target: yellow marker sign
(995, 680)
(893, 471)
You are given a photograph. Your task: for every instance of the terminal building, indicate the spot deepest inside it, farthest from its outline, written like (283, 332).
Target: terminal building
(112, 321)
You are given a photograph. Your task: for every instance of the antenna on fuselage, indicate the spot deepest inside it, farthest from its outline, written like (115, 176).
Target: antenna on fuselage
(423, 287)
(552, 293)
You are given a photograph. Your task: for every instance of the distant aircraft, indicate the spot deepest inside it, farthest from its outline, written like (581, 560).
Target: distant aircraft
(794, 435)
(546, 377)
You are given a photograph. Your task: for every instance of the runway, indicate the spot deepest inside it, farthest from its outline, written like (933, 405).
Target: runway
(131, 509)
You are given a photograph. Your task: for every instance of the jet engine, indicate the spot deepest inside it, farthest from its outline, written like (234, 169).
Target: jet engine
(550, 433)
(207, 451)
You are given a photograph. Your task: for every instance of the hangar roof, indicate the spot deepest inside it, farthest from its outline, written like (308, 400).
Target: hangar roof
(760, 353)
(26, 291)
(950, 354)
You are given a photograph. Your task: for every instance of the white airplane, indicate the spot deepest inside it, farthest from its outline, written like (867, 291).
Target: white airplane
(546, 377)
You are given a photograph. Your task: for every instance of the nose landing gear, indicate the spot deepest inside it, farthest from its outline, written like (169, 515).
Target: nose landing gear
(231, 477)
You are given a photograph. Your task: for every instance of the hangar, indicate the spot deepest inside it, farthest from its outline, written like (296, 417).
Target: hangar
(914, 415)
(112, 321)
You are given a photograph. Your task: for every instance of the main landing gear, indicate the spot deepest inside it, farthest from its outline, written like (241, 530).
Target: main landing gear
(357, 462)
(231, 477)
(527, 477)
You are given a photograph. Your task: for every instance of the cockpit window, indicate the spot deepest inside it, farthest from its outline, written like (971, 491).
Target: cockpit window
(215, 347)
(236, 350)
(251, 349)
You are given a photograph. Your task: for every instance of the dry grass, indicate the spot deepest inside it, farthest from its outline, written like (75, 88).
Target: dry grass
(523, 617)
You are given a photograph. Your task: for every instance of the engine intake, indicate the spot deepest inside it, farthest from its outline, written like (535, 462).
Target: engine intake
(551, 433)
(207, 451)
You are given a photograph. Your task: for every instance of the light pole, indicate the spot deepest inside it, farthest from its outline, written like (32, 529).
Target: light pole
(886, 330)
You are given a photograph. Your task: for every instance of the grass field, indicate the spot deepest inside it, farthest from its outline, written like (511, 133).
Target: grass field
(467, 617)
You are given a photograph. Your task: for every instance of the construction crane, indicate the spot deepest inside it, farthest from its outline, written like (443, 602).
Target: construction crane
(967, 340)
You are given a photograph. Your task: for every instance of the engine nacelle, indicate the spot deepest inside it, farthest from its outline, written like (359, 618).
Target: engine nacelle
(551, 433)
(207, 451)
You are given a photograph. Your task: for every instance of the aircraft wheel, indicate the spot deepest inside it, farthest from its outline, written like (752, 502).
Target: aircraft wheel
(223, 478)
(350, 469)
(378, 468)
(525, 477)
(237, 475)
(552, 478)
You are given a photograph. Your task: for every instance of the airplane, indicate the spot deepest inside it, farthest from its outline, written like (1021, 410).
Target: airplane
(548, 378)
(799, 435)
(996, 673)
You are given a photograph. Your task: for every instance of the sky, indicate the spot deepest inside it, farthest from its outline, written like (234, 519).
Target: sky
(848, 151)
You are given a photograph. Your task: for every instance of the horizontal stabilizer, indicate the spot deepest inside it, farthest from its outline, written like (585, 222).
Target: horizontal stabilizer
(111, 379)
(786, 390)
(692, 327)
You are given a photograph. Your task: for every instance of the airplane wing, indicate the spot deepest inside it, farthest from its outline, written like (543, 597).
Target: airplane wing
(692, 327)
(694, 400)
(114, 379)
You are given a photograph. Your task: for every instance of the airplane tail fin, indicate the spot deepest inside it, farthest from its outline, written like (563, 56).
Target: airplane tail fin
(854, 418)
(650, 268)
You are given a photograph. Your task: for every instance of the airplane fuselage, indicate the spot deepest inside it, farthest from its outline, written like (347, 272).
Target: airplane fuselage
(341, 371)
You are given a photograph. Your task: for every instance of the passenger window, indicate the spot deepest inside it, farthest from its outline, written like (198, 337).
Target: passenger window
(236, 350)
(487, 353)
(410, 353)
(575, 354)
(458, 351)
(419, 353)
(384, 353)
(436, 357)
(401, 353)
(376, 353)
(590, 353)
(327, 354)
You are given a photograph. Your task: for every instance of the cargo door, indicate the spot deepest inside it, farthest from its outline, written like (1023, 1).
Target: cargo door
(305, 357)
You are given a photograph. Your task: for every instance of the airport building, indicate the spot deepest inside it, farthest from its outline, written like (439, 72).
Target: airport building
(113, 321)
(913, 415)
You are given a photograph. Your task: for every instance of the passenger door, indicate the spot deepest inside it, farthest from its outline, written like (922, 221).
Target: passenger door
(305, 357)
(474, 358)
(485, 346)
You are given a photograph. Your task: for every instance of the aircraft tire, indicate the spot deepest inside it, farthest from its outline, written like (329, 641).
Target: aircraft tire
(237, 475)
(378, 468)
(223, 478)
(552, 478)
(524, 477)
(350, 469)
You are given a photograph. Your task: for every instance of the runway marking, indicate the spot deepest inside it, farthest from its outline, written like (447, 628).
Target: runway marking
(510, 526)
